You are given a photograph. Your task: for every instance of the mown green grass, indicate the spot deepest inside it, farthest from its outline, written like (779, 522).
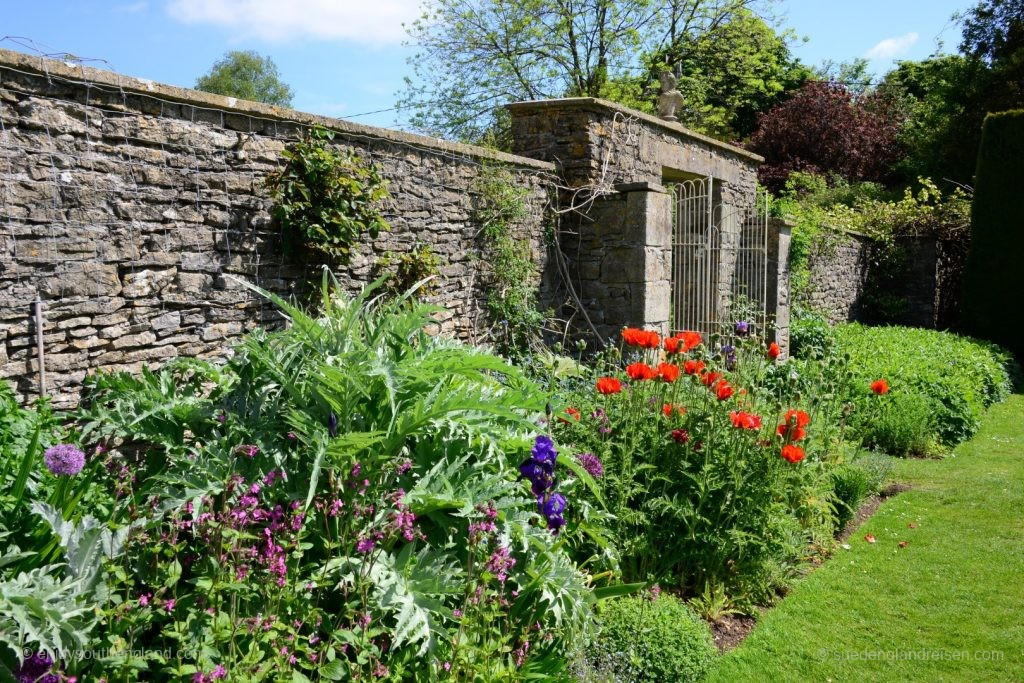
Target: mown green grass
(955, 591)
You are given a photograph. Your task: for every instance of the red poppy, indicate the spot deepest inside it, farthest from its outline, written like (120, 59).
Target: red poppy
(668, 372)
(879, 387)
(742, 420)
(692, 367)
(774, 350)
(792, 427)
(668, 408)
(682, 342)
(709, 378)
(571, 412)
(642, 338)
(609, 385)
(793, 454)
(680, 435)
(723, 390)
(641, 371)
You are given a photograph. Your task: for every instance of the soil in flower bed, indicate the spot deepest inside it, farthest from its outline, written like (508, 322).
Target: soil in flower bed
(730, 630)
(868, 508)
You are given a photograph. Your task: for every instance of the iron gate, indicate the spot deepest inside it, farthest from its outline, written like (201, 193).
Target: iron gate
(719, 262)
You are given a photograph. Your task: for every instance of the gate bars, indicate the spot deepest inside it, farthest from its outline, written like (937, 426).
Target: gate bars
(719, 264)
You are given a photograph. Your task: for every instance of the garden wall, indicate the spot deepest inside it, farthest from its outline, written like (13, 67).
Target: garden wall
(918, 283)
(128, 208)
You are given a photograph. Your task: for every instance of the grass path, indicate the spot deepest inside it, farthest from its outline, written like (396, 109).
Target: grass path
(947, 607)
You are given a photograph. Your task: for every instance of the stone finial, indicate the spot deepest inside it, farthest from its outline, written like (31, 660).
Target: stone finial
(670, 98)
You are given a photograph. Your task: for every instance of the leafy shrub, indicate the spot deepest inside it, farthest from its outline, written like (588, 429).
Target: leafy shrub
(853, 483)
(654, 639)
(340, 501)
(810, 335)
(902, 426)
(326, 198)
(695, 483)
(958, 377)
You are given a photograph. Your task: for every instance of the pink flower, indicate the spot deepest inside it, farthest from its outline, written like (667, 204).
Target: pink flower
(169, 605)
(218, 672)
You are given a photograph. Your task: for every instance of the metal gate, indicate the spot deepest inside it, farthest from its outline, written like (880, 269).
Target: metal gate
(719, 262)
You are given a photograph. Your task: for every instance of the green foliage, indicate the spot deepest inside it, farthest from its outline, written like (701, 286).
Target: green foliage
(408, 269)
(728, 75)
(821, 209)
(474, 58)
(854, 482)
(246, 75)
(993, 277)
(941, 100)
(338, 493)
(512, 296)
(810, 335)
(957, 512)
(40, 610)
(326, 198)
(957, 377)
(687, 497)
(902, 425)
(654, 639)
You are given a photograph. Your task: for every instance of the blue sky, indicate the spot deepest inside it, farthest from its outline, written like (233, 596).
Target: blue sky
(345, 57)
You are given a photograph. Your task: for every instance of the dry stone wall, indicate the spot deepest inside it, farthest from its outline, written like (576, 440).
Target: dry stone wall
(133, 210)
(838, 274)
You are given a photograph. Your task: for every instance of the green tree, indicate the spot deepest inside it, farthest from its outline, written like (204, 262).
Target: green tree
(476, 55)
(947, 97)
(941, 99)
(729, 75)
(246, 75)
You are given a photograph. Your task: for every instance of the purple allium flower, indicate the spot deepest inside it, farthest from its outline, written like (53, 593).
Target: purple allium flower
(742, 327)
(591, 464)
(64, 459)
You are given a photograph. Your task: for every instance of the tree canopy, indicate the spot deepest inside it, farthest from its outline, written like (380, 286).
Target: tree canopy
(247, 75)
(477, 55)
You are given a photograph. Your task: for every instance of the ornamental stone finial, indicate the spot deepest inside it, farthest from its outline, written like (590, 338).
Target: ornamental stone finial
(670, 99)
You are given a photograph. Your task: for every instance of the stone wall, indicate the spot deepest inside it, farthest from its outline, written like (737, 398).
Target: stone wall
(616, 163)
(130, 208)
(918, 284)
(838, 272)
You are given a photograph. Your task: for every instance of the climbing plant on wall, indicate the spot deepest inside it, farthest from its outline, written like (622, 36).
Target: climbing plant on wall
(326, 197)
(512, 297)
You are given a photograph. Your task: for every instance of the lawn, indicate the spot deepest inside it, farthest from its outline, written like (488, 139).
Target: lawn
(946, 607)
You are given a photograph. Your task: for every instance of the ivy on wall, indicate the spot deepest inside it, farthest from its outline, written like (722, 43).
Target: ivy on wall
(327, 198)
(512, 296)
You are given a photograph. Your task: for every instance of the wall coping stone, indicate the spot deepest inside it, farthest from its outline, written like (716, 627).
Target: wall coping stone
(599, 105)
(642, 186)
(46, 67)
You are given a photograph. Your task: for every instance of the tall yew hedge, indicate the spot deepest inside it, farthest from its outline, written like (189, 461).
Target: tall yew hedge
(993, 306)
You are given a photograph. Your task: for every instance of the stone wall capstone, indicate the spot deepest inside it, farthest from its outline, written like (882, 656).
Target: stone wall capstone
(132, 210)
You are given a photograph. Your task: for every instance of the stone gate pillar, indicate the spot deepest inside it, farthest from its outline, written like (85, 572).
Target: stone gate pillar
(615, 162)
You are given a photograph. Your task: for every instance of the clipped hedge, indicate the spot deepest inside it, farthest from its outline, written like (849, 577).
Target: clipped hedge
(993, 286)
(959, 376)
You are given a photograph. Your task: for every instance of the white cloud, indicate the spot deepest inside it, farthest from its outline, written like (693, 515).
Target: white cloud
(377, 22)
(892, 47)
